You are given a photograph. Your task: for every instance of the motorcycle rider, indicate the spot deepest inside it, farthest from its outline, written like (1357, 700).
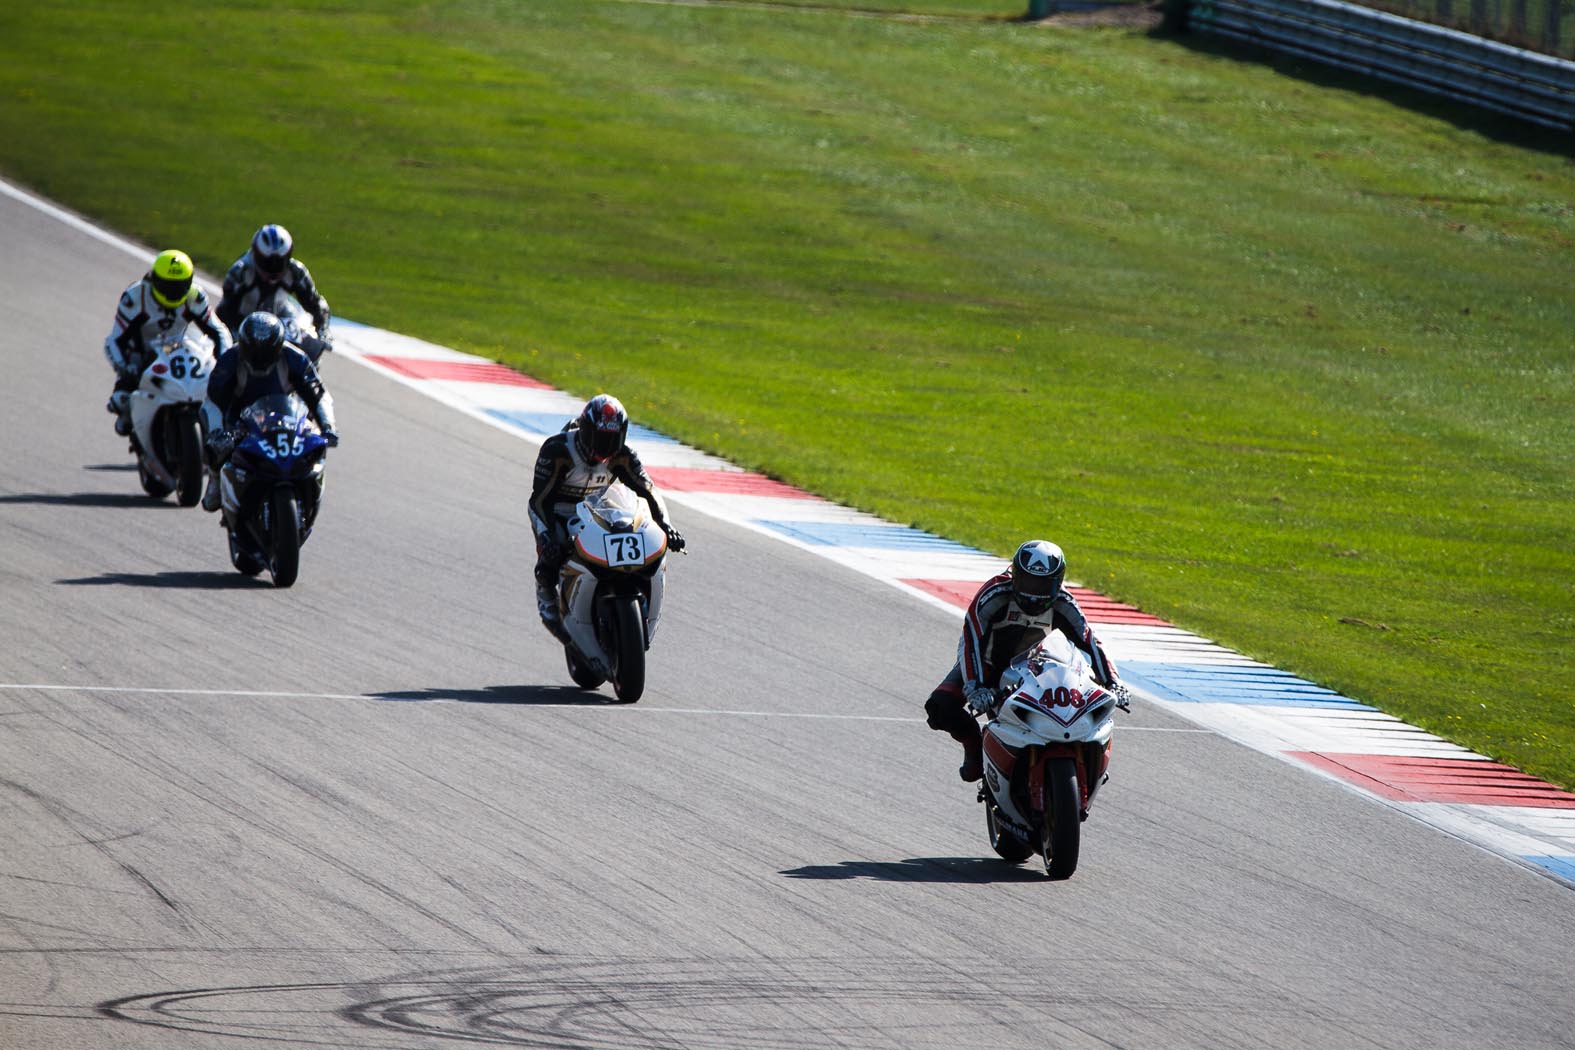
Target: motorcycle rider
(582, 459)
(158, 306)
(263, 269)
(1013, 612)
(262, 362)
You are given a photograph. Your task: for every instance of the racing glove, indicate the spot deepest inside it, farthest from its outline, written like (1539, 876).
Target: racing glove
(981, 700)
(675, 539)
(331, 436)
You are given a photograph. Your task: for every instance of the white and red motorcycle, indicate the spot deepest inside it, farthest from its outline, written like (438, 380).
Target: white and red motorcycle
(165, 433)
(610, 591)
(1046, 752)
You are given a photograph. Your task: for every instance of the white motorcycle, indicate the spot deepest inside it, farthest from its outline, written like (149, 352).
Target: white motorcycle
(165, 433)
(610, 591)
(1046, 752)
(299, 327)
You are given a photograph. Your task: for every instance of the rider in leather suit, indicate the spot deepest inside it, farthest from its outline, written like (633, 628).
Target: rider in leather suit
(1010, 614)
(266, 267)
(157, 307)
(587, 456)
(263, 362)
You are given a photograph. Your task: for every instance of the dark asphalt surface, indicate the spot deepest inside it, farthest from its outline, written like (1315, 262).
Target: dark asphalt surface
(371, 811)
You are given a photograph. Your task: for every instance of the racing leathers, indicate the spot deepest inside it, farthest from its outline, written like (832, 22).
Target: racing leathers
(234, 385)
(247, 289)
(564, 476)
(141, 323)
(995, 631)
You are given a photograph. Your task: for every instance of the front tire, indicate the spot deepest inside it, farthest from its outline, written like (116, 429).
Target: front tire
(150, 484)
(1063, 818)
(188, 475)
(627, 649)
(285, 527)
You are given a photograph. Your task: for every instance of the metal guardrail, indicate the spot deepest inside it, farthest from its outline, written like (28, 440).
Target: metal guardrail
(1525, 84)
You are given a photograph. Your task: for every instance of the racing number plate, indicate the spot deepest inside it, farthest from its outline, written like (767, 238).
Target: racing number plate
(626, 549)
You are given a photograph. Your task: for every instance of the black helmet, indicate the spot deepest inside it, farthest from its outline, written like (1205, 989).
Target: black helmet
(1038, 569)
(261, 339)
(601, 428)
(271, 248)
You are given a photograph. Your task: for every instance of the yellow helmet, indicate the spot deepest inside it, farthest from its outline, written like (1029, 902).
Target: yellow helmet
(171, 277)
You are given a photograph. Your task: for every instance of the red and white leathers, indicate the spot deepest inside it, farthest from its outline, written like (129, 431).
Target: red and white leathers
(140, 319)
(996, 629)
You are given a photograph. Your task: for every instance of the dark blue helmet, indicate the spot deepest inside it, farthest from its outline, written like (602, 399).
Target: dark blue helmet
(261, 339)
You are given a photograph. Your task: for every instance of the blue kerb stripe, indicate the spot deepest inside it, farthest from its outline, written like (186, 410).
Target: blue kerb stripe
(856, 534)
(1225, 684)
(550, 423)
(1563, 867)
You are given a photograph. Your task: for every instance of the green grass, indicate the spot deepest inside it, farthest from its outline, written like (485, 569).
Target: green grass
(1285, 363)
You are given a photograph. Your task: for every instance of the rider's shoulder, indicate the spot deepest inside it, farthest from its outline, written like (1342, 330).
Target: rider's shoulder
(239, 270)
(131, 300)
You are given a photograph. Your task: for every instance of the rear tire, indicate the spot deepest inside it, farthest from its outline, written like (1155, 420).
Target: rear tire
(628, 649)
(150, 484)
(286, 537)
(244, 563)
(1063, 818)
(583, 676)
(1003, 840)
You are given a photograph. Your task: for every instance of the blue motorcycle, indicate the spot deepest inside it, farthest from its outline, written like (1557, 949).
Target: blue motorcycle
(272, 486)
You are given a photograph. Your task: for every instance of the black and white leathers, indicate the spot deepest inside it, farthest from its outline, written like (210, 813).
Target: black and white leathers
(141, 320)
(996, 629)
(564, 476)
(245, 291)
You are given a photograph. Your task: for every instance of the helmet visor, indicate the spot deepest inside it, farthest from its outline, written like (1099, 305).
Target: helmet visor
(171, 291)
(271, 267)
(605, 442)
(1034, 593)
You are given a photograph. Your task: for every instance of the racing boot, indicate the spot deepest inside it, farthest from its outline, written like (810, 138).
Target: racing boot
(119, 406)
(547, 608)
(210, 495)
(968, 736)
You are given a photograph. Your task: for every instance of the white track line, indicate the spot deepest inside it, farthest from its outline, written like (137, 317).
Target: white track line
(392, 696)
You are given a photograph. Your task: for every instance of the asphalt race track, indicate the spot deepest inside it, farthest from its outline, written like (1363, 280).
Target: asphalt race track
(371, 811)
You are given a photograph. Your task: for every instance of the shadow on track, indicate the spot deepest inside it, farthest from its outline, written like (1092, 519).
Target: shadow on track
(545, 695)
(202, 581)
(90, 499)
(127, 467)
(972, 870)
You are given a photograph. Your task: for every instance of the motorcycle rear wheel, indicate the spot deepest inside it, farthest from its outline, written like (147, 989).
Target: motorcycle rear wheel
(581, 673)
(286, 538)
(244, 563)
(627, 649)
(1063, 821)
(1003, 840)
(150, 484)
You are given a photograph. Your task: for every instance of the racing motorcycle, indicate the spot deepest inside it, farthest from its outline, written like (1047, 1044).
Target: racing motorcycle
(165, 433)
(272, 485)
(299, 327)
(610, 591)
(1046, 752)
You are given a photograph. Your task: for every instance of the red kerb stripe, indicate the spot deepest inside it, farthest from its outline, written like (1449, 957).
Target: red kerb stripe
(462, 371)
(1409, 779)
(727, 482)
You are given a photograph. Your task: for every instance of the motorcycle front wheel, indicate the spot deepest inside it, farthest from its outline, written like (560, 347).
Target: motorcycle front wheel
(627, 649)
(285, 527)
(1063, 824)
(186, 447)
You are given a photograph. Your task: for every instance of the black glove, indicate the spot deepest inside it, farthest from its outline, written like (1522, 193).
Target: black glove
(332, 437)
(675, 539)
(129, 372)
(220, 444)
